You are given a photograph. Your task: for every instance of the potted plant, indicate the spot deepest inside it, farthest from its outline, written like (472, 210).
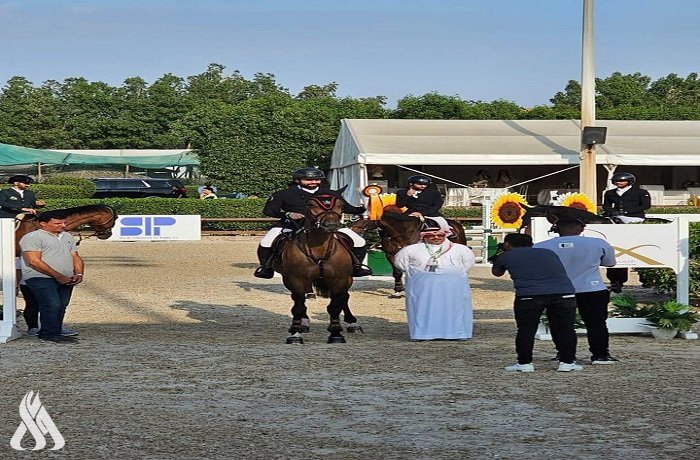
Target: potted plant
(627, 315)
(667, 318)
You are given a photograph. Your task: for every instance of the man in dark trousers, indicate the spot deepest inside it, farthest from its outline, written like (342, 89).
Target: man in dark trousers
(18, 199)
(421, 200)
(626, 203)
(541, 284)
(289, 205)
(582, 257)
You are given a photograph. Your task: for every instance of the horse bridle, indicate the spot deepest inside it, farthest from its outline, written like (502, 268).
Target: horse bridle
(326, 202)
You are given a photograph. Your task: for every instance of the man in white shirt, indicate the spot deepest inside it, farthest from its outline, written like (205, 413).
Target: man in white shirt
(438, 296)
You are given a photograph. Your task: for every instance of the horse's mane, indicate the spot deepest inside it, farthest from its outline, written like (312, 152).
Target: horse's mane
(87, 209)
(554, 213)
(393, 215)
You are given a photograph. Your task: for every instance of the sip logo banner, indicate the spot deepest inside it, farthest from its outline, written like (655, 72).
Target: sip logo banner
(157, 228)
(37, 422)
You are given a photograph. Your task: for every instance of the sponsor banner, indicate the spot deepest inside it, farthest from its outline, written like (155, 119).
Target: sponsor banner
(636, 245)
(157, 228)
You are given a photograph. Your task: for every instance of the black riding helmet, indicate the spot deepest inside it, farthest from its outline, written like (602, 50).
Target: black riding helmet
(20, 178)
(308, 173)
(623, 176)
(420, 179)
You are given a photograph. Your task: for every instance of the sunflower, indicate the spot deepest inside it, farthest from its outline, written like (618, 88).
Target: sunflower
(578, 201)
(507, 212)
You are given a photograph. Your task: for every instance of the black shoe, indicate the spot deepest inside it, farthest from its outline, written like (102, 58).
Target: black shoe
(58, 339)
(603, 360)
(616, 287)
(361, 270)
(264, 272)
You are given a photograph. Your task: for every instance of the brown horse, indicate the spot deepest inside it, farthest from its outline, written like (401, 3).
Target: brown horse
(318, 258)
(398, 230)
(100, 218)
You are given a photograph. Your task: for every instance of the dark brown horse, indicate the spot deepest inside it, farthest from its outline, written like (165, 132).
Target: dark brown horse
(318, 259)
(99, 218)
(398, 230)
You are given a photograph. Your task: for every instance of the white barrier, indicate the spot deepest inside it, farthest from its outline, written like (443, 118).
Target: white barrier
(157, 228)
(640, 246)
(8, 325)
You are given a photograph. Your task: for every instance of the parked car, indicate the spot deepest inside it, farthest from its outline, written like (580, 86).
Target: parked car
(139, 188)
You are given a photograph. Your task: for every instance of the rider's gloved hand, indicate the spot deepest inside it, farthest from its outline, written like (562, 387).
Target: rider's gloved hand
(295, 215)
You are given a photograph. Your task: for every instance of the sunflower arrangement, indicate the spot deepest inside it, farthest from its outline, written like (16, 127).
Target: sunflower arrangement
(506, 212)
(578, 201)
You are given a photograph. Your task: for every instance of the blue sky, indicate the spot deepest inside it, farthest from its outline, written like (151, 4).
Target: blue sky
(519, 50)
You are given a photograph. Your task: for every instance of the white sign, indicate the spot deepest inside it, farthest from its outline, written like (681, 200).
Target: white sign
(636, 245)
(38, 423)
(157, 228)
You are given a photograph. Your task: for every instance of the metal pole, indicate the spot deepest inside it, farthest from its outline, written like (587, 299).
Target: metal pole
(587, 174)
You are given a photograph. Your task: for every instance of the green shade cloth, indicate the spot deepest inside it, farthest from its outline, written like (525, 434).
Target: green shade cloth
(15, 155)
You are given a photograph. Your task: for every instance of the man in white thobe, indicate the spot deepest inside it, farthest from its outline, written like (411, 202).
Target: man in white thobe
(438, 296)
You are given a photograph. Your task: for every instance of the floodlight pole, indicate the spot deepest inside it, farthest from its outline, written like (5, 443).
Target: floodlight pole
(587, 172)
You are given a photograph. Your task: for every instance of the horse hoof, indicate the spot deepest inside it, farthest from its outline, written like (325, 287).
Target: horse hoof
(310, 295)
(295, 340)
(352, 328)
(336, 339)
(396, 295)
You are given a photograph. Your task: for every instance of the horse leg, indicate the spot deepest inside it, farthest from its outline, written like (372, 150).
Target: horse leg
(298, 315)
(398, 284)
(334, 308)
(351, 324)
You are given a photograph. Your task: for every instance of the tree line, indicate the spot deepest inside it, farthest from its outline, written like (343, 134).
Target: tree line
(250, 133)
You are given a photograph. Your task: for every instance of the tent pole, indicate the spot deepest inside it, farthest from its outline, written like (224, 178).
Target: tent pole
(126, 171)
(38, 171)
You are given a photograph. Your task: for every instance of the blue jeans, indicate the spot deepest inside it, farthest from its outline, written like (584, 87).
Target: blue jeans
(561, 313)
(52, 299)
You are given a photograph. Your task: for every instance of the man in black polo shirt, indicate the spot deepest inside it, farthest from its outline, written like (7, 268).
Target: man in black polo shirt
(541, 284)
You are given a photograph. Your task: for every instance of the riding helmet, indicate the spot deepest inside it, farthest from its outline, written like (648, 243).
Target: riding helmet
(623, 176)
(20, 178)
(420, 179)
(308, 173)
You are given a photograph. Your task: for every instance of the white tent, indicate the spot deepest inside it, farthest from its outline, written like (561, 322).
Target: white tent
(503, 142)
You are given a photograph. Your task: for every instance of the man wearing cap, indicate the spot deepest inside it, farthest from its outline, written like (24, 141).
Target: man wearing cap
(289, 205)
(438, 296)
(421, 201)
(582, 258)
(18, 199)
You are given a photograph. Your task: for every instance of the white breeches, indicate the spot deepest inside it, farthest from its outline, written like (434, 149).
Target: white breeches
(269, 238)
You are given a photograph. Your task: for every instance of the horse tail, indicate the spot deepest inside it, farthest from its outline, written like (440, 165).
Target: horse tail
(321, 288)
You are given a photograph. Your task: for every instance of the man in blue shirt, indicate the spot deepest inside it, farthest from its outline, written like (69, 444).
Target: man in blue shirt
(582, 257)
(541, 284)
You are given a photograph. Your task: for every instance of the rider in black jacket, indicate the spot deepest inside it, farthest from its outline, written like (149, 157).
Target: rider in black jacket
(18, 199)
(289, 205)
(421, 200)
(627, 203)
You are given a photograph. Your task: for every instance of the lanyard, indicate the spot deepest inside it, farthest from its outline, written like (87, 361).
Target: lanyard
(433, 262)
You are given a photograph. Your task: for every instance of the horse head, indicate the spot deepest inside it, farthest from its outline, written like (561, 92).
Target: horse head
(324, 212)
(99, 217)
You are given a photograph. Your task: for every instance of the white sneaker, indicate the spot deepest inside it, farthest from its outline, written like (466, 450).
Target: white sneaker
(521, 368)
(568, 367)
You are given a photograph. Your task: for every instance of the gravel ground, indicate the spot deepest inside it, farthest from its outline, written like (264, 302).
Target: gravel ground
(182, 355)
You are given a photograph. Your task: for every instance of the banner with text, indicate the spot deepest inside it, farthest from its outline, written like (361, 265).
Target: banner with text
(157, 228)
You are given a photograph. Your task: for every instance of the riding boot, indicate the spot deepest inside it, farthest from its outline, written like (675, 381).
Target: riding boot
(265, 258)
(357, 268)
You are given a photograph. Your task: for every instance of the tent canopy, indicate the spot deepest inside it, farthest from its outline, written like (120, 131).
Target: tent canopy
(504, 142)
(11, 155)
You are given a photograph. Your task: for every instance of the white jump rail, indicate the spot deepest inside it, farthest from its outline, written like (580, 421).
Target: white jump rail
(8, 325)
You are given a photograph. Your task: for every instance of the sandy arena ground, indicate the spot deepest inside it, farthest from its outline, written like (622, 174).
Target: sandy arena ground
(182, 356)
